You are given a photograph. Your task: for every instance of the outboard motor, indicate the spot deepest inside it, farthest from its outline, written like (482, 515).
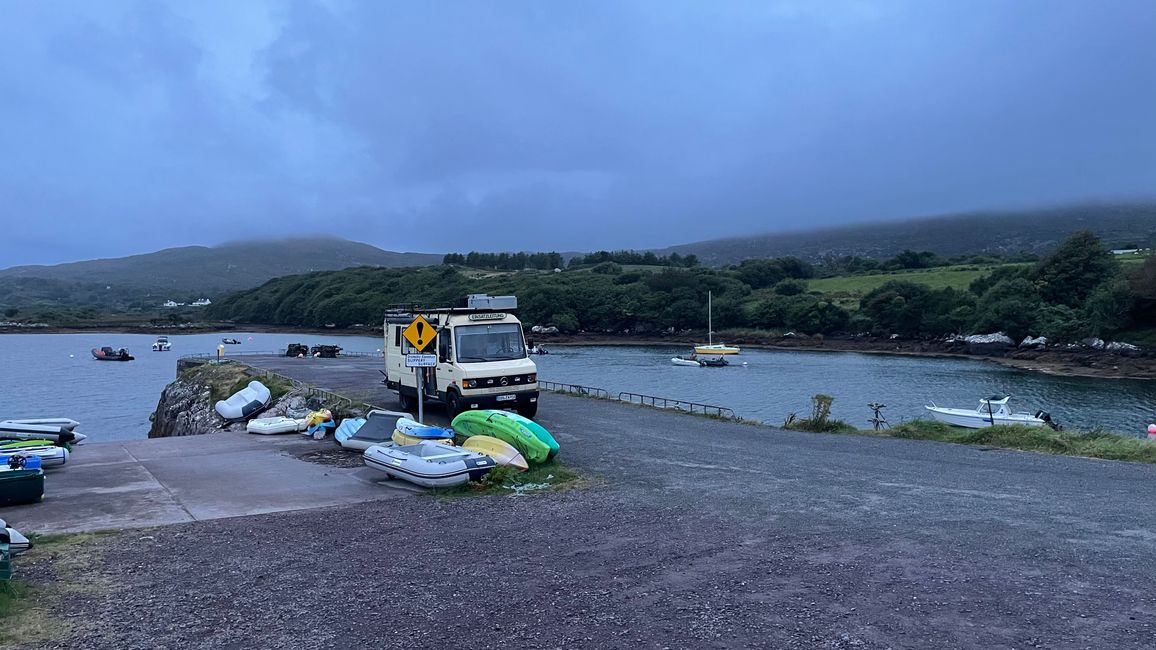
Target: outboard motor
(1047, 418)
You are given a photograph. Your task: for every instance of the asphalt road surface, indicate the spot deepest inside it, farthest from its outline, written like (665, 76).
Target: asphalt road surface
(697, 533)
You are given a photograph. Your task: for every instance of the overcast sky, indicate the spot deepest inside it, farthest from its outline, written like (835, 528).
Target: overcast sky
(127, 127)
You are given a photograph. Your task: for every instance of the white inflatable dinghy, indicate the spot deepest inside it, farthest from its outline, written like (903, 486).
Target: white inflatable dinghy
(267, 426)
(246, 403)
(377, 429)
(17, 543)
(53, 433)
(64, 423)
(429, 464)
(49, 455)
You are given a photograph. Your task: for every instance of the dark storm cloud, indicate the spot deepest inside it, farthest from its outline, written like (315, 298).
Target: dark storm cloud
(130, 126)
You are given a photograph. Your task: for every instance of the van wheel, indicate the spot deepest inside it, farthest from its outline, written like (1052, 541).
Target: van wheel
(453, 404)
(528, 411)
(407, 402)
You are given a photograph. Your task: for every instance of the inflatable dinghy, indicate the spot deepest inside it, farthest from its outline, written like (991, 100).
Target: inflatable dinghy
(503, 426)
(54, 434)
(502, 453)
(49, 455)
(63, 423)
(429, 464)
(17, 543)
(268, 426)
(246, 403)
(375, 430)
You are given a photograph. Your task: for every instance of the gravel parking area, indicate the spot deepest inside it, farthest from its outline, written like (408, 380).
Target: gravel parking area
(704, 534)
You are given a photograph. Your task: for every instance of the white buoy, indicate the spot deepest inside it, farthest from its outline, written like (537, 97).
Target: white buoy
(72, 356)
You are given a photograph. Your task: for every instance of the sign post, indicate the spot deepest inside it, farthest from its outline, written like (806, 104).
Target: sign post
(420, 335)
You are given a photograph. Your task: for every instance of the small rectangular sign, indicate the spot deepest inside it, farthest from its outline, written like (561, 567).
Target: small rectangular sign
(421, 360)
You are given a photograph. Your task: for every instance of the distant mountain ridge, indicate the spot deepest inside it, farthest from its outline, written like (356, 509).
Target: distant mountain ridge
(223, 268)
(1118, 224)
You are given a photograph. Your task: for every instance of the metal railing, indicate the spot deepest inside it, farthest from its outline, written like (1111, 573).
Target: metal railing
(267, 353)
(678, 404)
(574, 389)
(639, 398)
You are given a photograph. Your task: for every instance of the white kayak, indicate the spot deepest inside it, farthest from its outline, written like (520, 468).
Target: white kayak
(429, 464)
(268, 426)
(377, 429)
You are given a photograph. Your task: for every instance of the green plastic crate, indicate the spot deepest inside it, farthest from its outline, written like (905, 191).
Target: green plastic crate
(21, 486)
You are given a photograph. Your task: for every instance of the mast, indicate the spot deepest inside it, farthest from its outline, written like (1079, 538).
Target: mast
(709, 321)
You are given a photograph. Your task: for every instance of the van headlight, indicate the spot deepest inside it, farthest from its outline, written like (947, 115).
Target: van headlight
(469, 383)
(531, 378)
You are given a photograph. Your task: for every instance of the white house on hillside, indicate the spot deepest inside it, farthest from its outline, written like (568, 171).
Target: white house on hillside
(202, 302)
(170, 303)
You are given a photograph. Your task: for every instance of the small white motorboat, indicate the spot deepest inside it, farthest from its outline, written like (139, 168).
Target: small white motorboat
(246, 402)
(429, 464)
(268, 426)
(375, 429)
(684, 361)
(991, 410)
(162, 344)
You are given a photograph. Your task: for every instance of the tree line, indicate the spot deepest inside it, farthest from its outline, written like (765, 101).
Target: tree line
(1077, 290)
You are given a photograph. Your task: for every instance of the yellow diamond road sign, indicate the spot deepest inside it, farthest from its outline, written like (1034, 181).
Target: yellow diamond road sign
(419, 334)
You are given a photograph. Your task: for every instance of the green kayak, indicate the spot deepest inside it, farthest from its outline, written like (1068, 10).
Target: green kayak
(508, 428)
(538, 430)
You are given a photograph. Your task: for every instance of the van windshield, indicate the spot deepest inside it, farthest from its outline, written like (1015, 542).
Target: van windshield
(498, 342)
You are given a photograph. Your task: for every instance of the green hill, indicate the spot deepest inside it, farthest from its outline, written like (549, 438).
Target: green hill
(998, 232)
(200, 270)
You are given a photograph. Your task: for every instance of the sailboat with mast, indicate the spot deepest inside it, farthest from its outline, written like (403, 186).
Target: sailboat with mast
(711, 347)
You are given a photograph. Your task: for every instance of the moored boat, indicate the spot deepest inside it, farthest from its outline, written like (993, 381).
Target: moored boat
(230, 341)
(711, 347)
(991, 410)
(689, 362)
(162, 344)
(429, 464)
(107, 353)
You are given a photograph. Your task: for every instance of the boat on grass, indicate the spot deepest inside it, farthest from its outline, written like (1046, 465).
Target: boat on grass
(107, 353)
(502, 452)
(991, 410)
(531, 439)
(245, 403)
(429, 464)
(17, 543)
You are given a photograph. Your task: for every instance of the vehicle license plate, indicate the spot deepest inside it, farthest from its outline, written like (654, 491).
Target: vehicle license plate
(506, 398)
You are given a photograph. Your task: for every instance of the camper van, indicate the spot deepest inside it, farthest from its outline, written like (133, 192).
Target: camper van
(482, 361)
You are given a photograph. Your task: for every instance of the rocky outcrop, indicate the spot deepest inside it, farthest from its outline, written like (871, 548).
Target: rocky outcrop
(185, 409)
(988, 343)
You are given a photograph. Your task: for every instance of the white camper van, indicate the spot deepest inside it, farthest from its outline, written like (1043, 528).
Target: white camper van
(482, 361)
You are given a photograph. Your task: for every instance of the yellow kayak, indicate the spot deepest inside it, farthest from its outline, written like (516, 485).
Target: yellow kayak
(502, 452)
(403, 439)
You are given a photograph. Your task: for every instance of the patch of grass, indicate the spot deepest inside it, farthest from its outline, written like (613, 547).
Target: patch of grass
(829, 426)
(850, 287)
(28, 612)
(1091, 444)
(554, 474)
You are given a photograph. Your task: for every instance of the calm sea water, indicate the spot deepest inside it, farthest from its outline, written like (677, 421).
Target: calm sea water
(54, 375)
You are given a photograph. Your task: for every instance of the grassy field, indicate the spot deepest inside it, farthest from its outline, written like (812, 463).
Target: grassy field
(957, 277)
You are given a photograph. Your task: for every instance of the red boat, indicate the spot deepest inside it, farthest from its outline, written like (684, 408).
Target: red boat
(108, 354)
